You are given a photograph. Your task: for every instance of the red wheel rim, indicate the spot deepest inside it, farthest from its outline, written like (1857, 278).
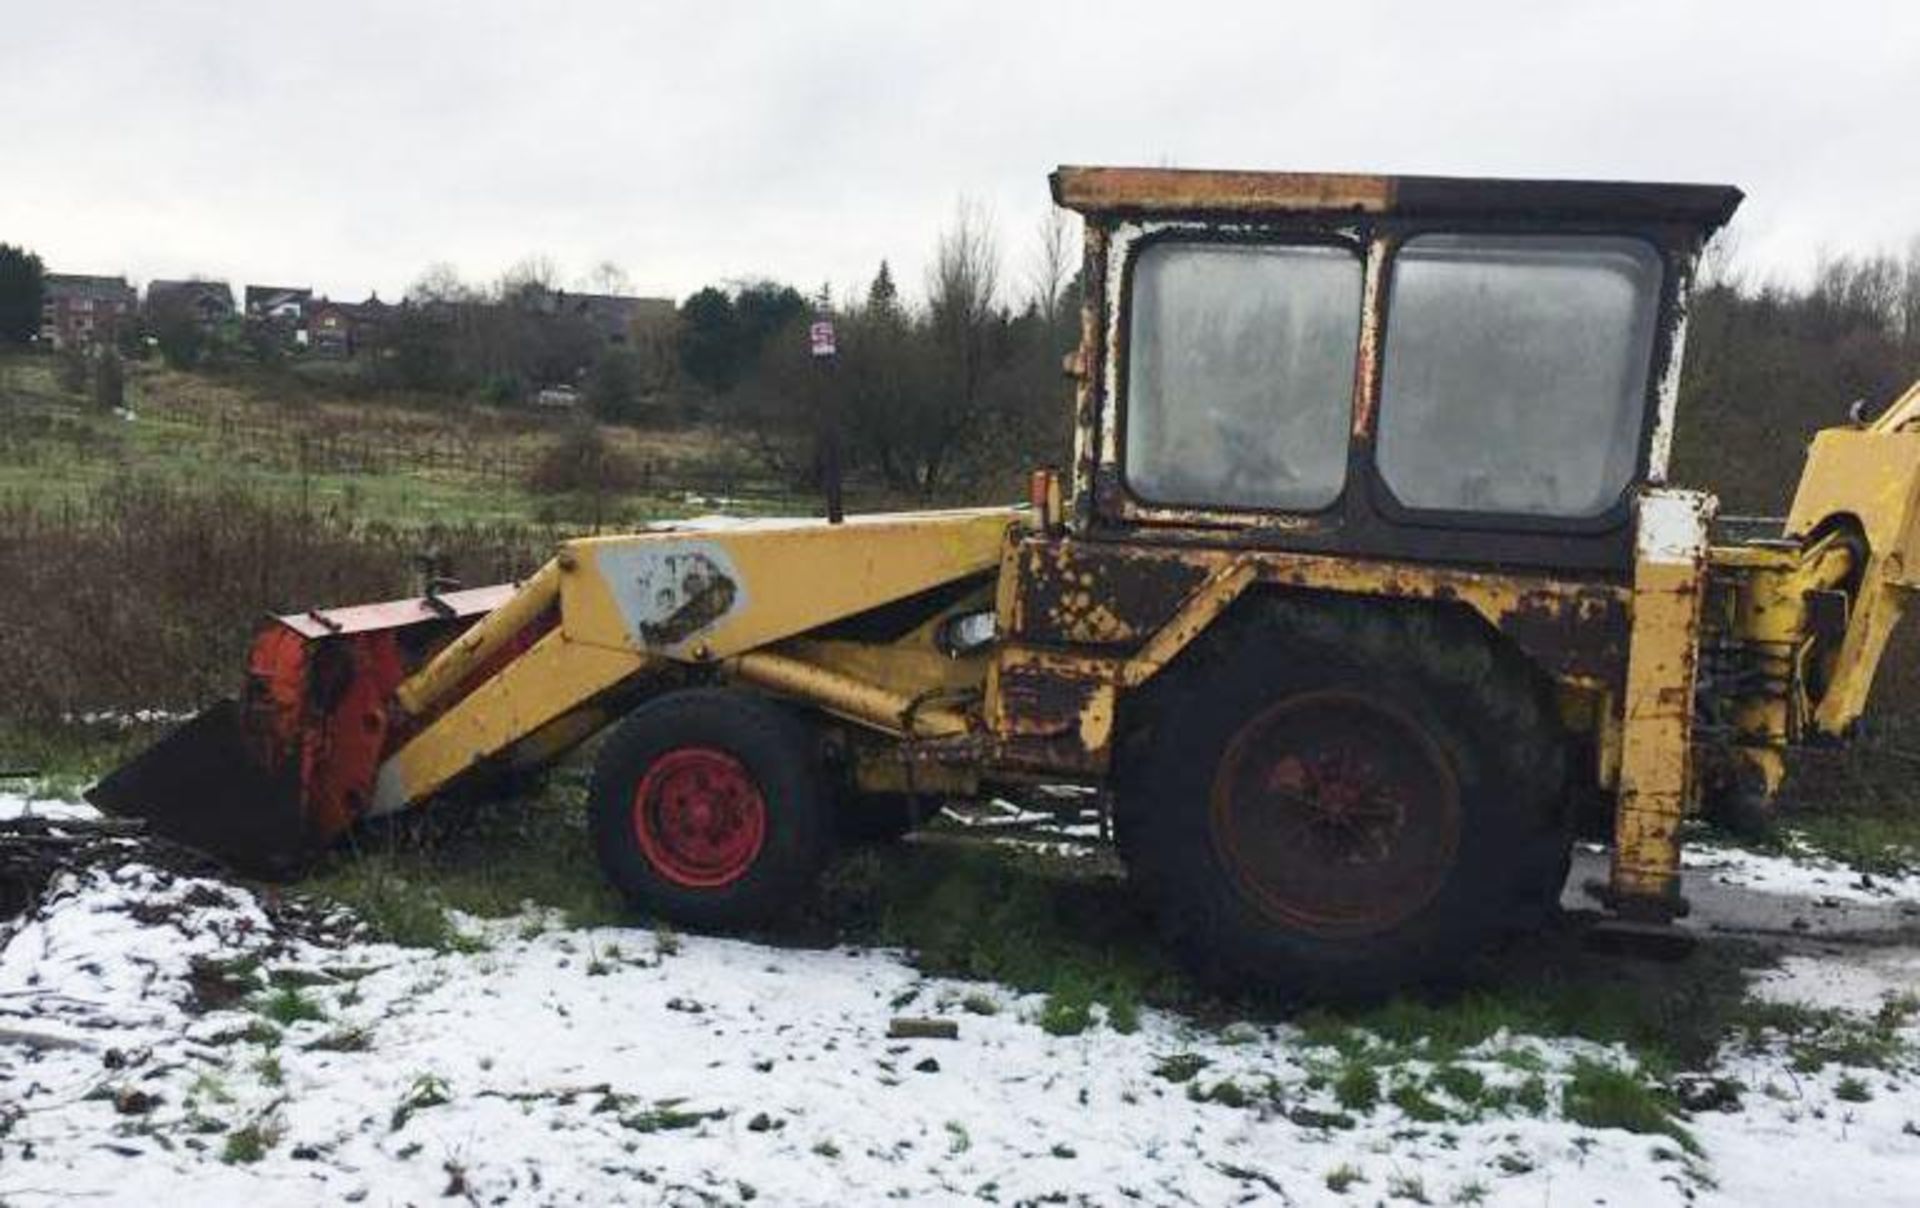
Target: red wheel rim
(1336, 813)
(699, 817)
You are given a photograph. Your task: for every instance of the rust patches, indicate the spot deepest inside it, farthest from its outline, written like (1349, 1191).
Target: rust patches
(1037, 700)
(1583, 635)
(1182, 190)
(1112, 596)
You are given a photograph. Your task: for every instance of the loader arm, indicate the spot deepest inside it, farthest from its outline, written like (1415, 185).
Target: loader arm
(360, 712)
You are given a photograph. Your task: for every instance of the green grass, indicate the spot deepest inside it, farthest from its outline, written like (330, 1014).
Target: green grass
(1672, 1016)
(1342, 1177)
(287, 1006)
(425, 1091)
(248, 1144)
(1067, 929)
(1606, 1096)
(1816, 1037)
(387, 458)
(1357, 1088)
(489, 860)
(64, 760)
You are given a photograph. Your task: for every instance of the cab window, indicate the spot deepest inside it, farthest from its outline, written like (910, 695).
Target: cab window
(1240, 369)
(1514, 375)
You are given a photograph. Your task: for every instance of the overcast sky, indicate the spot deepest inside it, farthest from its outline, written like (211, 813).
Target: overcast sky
(349, 145)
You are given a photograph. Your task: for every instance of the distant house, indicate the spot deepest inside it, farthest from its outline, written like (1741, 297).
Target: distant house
(278, 312)
(79, 311)
(209, 302)
(345, 329)
(279, 303)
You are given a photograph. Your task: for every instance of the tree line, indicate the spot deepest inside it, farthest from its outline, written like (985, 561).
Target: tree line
(1769, 363)
(944, 389)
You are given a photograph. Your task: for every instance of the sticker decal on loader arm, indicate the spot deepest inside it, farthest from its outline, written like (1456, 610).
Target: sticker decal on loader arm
(670, 591)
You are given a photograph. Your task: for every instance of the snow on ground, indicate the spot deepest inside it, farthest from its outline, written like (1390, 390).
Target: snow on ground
(1805, 874)
(621, 1065)
(15, 805)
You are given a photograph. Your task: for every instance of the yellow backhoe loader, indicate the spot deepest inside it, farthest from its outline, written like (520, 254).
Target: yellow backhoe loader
(1365, 571)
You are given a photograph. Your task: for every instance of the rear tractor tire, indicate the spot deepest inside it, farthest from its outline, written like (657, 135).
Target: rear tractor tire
(1337, 799)
(708, 807)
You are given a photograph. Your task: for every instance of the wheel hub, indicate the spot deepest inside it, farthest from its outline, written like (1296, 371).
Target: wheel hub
(699, 817)
(1335, 812)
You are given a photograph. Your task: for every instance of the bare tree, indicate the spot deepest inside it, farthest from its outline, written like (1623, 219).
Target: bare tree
(608, 277)
(440, 282)
(963, 286)
(1052, 265)
(964, 279)
(530, 277)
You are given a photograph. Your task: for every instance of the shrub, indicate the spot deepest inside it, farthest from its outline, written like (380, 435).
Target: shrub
(582, 460)
(109, 382)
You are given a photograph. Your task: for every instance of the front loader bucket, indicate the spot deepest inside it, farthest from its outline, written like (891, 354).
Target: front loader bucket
(205, 785)
(265, 783)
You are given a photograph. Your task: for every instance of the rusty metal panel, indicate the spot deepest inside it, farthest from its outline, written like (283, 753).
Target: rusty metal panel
(1181, 190)
(1111, 190)
(1114, 596)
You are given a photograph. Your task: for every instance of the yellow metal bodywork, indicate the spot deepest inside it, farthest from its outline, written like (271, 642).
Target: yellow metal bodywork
(1867, 481)
(1808, 616)
(1669, 578)
(728, 597)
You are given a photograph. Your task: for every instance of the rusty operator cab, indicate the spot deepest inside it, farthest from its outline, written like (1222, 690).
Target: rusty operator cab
(1366, 513)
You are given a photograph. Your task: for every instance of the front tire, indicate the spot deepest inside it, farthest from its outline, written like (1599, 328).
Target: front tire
(708, 808)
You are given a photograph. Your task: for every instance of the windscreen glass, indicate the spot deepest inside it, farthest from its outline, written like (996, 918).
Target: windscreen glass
(1515, 372)
(1240, 364)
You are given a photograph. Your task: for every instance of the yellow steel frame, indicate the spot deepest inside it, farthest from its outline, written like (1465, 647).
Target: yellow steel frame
(732, 596)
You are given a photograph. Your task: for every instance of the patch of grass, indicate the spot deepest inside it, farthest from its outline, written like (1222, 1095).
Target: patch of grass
(208, 1088)
(1473, 1191)
(269, 1070)
(1357, 1087)
(1464, 1083)
(1226, 1092)
(1344, 1176)
(1180, 1067)
(1672, 1016)
(826, 1149)
(289, 1005)
(1037, 923)
(490, 860)
(667, 1116)
(1851, 1089)
(249, 1143)
(1411, 1099)
(1877, 844)
(1606, 1096)
(1816, 1037)
(666, 941)
(979, 1003)
(1407, 1187)
(64, 759)
(1068, 1011)
(958, 1139)
(426, 1090)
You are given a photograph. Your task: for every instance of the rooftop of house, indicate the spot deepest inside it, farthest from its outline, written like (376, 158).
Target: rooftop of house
(163, 288)
(81, 285)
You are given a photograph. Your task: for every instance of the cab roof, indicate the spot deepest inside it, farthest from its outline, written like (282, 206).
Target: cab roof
(1148, 191)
